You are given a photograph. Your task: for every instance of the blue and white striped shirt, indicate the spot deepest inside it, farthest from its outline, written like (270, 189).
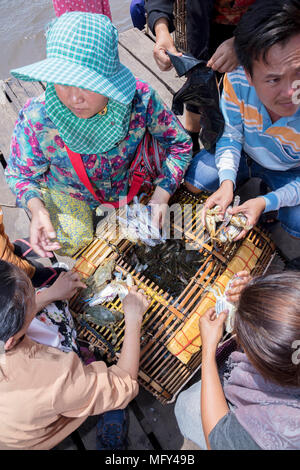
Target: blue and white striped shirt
(248, 127)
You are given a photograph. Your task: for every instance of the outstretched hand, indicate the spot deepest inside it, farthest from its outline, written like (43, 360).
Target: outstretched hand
(66, 285)
(42, 233)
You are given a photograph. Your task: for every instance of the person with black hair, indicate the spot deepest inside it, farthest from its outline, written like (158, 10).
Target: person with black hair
(46, 393)
(260, 105)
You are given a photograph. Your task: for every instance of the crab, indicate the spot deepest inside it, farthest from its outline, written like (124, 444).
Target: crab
(231, 225)
(107, 292)
(96, 282)
(102, 316)
(223, 304)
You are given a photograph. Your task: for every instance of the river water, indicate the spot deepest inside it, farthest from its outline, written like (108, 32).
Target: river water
(22, 26)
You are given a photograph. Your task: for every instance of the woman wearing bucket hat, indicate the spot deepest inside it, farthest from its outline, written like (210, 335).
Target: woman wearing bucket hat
(75, 146)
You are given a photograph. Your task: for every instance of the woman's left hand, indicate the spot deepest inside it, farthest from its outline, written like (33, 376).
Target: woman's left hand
(238, 283)
(159, 206)
(211, 329)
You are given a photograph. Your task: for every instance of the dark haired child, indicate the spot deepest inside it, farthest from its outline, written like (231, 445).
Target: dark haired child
(45, 393)
(256, 403)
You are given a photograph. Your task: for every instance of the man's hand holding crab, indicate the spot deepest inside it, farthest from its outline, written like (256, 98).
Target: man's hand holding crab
(252, 209)
(241, 217)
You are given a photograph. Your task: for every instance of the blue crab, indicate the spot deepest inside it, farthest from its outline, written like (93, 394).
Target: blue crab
(103, 316)
(97, 281)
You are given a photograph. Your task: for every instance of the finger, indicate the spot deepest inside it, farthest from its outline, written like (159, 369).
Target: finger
(78, 284)
(213, 316)
(48, 246)
(208, 205)
(209, 312)
(237, 209)
(42, 253)
(73, 275)
(242, 274)
(162, 59)
(173, 50)
(222, 317)
(218, 62)
(225, 66)
(35, 242)
(134, 288)
(48, 228)
(47, 243)
(212, 60)
(231, 67)
(235, 290)
(241, 235)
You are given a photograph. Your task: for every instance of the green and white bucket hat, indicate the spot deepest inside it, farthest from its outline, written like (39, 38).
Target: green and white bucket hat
(82, 51)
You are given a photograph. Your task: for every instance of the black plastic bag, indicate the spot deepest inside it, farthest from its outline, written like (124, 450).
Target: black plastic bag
(201, 91)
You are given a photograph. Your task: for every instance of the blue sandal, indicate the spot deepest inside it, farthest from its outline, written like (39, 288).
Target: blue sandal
(112, 430)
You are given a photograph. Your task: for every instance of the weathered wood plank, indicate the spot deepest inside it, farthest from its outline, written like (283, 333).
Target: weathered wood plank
(20, 91)
(16, 223)
(16, 92)
(8, 119)
(6, 196)
(140, 47)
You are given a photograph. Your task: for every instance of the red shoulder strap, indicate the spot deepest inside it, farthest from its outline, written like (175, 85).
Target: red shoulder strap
(137, 180)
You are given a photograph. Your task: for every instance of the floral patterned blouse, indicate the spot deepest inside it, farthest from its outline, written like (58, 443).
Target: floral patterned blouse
(38, 156)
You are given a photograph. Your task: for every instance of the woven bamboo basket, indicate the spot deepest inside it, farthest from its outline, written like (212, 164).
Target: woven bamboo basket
(161, 372)
(179, 34)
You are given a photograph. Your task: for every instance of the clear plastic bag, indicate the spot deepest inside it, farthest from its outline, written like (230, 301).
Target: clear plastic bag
(137, 225)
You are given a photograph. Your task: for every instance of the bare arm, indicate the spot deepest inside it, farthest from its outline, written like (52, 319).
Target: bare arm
(213, 401)
(135, 305)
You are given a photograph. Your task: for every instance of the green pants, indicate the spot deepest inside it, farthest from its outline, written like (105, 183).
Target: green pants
(72, 220)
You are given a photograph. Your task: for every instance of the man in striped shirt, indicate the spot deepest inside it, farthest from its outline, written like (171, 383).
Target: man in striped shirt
(261, 107)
